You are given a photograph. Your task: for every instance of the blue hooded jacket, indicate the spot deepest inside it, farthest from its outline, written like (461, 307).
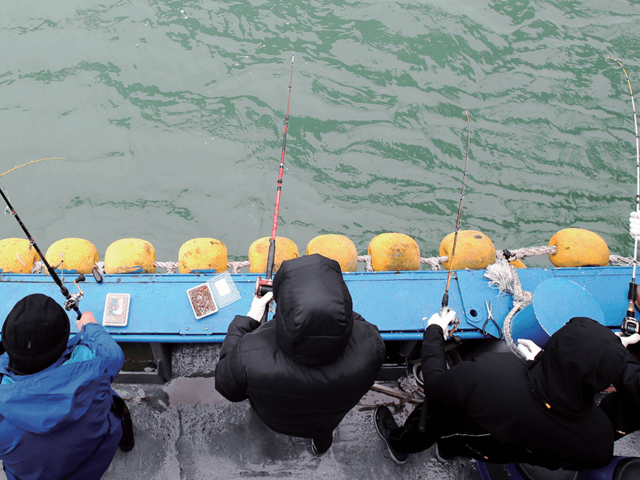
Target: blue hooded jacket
(58, 423)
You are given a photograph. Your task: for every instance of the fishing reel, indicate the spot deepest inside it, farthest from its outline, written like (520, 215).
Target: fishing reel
(263, 286)
(73, 300)
(453, 326)
(629, 324)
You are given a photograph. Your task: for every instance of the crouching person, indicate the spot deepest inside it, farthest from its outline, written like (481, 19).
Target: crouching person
(59, 418)
(304, 370)
(500, 408)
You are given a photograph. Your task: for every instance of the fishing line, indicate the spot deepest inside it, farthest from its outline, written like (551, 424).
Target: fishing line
(265, 285)
(72, 300)
(422, 423)
(630, 324)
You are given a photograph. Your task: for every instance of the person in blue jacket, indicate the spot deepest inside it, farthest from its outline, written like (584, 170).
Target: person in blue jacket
(59, 418)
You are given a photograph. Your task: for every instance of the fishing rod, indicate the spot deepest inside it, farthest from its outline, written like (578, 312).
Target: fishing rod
(265, 285)
(445, 298)
(630, 325)
(72, 300)
(29, 163)
(444, 309)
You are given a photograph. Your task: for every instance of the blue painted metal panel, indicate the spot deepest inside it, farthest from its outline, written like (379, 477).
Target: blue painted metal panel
(395, 301)
(608, 285)
(475, 290)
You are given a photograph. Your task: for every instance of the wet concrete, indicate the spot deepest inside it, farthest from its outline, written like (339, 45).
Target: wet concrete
(178, 436)
(186, 431)
(192, 391)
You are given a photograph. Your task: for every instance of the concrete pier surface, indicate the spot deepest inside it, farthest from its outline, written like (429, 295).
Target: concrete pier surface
(184, 430)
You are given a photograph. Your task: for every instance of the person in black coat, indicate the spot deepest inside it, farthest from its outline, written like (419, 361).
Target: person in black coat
(304, 370)
(500, 408)
(623, 405)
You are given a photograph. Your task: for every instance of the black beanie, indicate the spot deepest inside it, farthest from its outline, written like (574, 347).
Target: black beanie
(35, 334)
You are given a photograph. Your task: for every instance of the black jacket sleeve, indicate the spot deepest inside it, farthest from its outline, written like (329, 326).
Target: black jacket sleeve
(621, 406)
(231, 378)
(630, 379)
(447, 385)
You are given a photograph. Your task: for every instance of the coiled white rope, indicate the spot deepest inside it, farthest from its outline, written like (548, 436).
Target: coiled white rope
(505, 278)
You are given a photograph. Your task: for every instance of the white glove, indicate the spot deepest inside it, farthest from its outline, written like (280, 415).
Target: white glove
(258, 305)
(634, 225)
(630, 340)
(444, 320)
(528, 349)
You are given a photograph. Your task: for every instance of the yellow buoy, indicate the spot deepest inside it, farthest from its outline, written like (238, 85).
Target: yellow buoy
(338, 248)
(392, 252)
(579, 248)
(202, 254)
(259, 251)
(72, 254)
(517, 263)
(474, 250)
(17, 255)
(130, 255)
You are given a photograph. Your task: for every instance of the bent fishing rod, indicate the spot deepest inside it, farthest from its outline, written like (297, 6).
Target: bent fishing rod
(72, 300)
(630, 325)
(265, 285)
(422, 423)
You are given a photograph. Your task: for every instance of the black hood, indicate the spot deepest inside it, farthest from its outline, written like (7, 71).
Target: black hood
(579, 360)
(314, 316)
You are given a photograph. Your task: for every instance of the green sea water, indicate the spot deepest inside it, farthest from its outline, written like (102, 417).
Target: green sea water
(170, 119)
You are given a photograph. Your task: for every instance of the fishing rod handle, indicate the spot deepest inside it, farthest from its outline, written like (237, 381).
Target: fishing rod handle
(262, 287)
(422, 423)
(265, 315)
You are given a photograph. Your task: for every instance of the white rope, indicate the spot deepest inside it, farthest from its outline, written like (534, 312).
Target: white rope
(236, 266)
(618, 260)
(170, 267)
(37, 267)
(368, 267)
(504, 277)
(526, 252)
(435, 263)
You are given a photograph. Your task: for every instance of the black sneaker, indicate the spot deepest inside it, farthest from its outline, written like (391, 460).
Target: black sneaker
(383, 419)
(315, 450)
(442, 457)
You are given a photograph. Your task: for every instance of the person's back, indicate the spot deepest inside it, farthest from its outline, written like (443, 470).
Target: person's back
(60, 421)
(304, 370)
(500, 409)
(546, 406)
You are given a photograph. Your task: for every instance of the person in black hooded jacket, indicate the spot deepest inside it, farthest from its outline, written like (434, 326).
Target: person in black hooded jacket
(500, 408)
(623, 405)
(304, 370)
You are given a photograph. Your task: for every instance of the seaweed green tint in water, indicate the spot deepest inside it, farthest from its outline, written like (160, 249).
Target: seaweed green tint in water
(169, 117)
